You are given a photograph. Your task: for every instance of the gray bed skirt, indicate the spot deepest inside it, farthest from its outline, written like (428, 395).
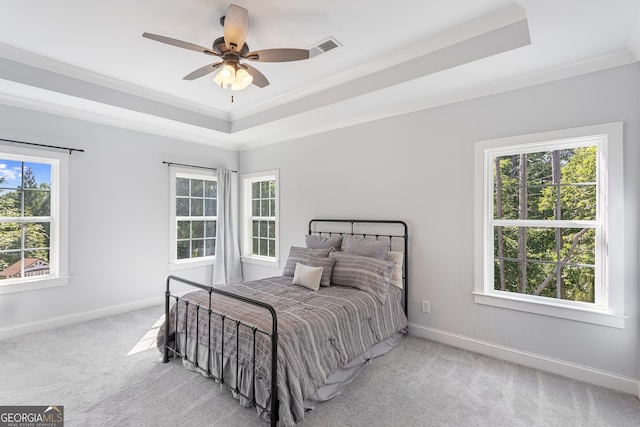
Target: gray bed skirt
(335, 384)
(338, 381)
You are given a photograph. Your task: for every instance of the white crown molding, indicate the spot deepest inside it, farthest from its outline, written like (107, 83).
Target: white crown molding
(633, 43)
(344, 113)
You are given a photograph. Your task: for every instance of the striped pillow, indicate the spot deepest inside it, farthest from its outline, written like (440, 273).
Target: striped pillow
(327, 268)
(301, 255)
(365, 273)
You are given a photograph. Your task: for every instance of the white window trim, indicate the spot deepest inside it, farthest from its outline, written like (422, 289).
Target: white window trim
(174, 262)
(610, 312)
(59, 239)
(247, 180)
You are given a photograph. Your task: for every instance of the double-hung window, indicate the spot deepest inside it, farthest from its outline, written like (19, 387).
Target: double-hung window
(546, 237)
(33, 219)
(260, 218)
(194, 209)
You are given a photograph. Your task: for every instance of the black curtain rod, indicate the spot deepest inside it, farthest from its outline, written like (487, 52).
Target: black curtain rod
(70, 150)
(192, 166)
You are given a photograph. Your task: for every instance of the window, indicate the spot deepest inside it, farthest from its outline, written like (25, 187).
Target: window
(260, 228)
(545, 228)
(194, 211)
(33, 219)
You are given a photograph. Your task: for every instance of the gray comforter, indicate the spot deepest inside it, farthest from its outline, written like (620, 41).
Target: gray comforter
(317, 333)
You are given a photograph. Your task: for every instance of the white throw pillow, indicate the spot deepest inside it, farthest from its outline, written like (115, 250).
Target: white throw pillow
(396, 277)
(306, 276)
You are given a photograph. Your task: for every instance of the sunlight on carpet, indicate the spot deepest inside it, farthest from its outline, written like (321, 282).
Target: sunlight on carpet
(148, 340)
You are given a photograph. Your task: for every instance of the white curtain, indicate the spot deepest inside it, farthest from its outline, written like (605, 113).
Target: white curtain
(227, 268)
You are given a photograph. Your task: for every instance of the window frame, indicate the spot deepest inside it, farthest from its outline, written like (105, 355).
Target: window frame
(182, 172)
(608, 309)
(247, 217)
(58, 220)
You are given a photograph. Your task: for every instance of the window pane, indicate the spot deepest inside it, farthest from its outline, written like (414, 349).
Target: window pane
(210, 206)
(197, 207)
(255, 209)
(511, 280)
(182, 187)
(197, 248)
(255, 190)
(8, 259)
(183, 251)
(210, 247)
(578, 202)
(182, 206)
(264, 189)
(36, 263)
(197, 188)
(542, 243)
(541, 279)
(210, 228)
(263, 247)
(255, 246)
(10, 236)
(37, 235)
(541, 202)
(264, 209)
(184, 229)
(539, 168)
(579, 165)
(37, 202)
(272, 211)
(211, 189)
(255, 229)
(272, 189)
(272, 229)
(264, 228)
(197, 229)
(579, 245)
(578, 283)
(272, 248)
(509, 241)
(10, 203)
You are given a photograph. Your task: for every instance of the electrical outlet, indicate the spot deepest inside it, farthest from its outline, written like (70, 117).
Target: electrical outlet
(426, 307)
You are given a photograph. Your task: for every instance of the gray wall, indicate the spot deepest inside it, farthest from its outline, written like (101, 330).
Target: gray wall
(119, 214)
(419, 167)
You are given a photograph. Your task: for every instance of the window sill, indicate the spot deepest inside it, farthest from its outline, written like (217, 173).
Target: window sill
(32, 285)
(265, 262)
(190, 264)
(598, 317)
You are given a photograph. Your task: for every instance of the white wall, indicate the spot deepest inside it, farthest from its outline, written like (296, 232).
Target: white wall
(119, 215)
(419, 167)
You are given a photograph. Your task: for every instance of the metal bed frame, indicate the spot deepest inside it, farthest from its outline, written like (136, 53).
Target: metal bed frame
(315, 227)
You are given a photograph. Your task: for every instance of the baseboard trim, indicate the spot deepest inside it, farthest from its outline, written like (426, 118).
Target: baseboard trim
(532, 360)
(42, 325)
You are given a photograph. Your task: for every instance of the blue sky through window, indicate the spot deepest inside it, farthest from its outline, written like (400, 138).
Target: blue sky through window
(11, 170)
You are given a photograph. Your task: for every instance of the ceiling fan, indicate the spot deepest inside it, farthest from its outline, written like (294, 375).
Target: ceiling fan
(231, 48)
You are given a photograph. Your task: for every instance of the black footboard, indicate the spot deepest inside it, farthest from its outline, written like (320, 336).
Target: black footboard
(236, 323)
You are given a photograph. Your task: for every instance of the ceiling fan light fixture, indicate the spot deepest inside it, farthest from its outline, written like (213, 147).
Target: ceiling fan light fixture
(243, 79)
(227, 74)
(230, 77)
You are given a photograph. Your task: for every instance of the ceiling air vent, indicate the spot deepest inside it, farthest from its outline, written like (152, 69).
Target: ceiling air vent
(324, 46)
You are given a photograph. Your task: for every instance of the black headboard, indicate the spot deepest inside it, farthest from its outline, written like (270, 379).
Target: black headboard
(394, 231)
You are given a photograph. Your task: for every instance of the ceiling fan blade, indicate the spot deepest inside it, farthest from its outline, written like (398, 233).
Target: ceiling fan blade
(278, 55)
(179, 43)
(258, 78)
(236, 27)
(200, 72)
